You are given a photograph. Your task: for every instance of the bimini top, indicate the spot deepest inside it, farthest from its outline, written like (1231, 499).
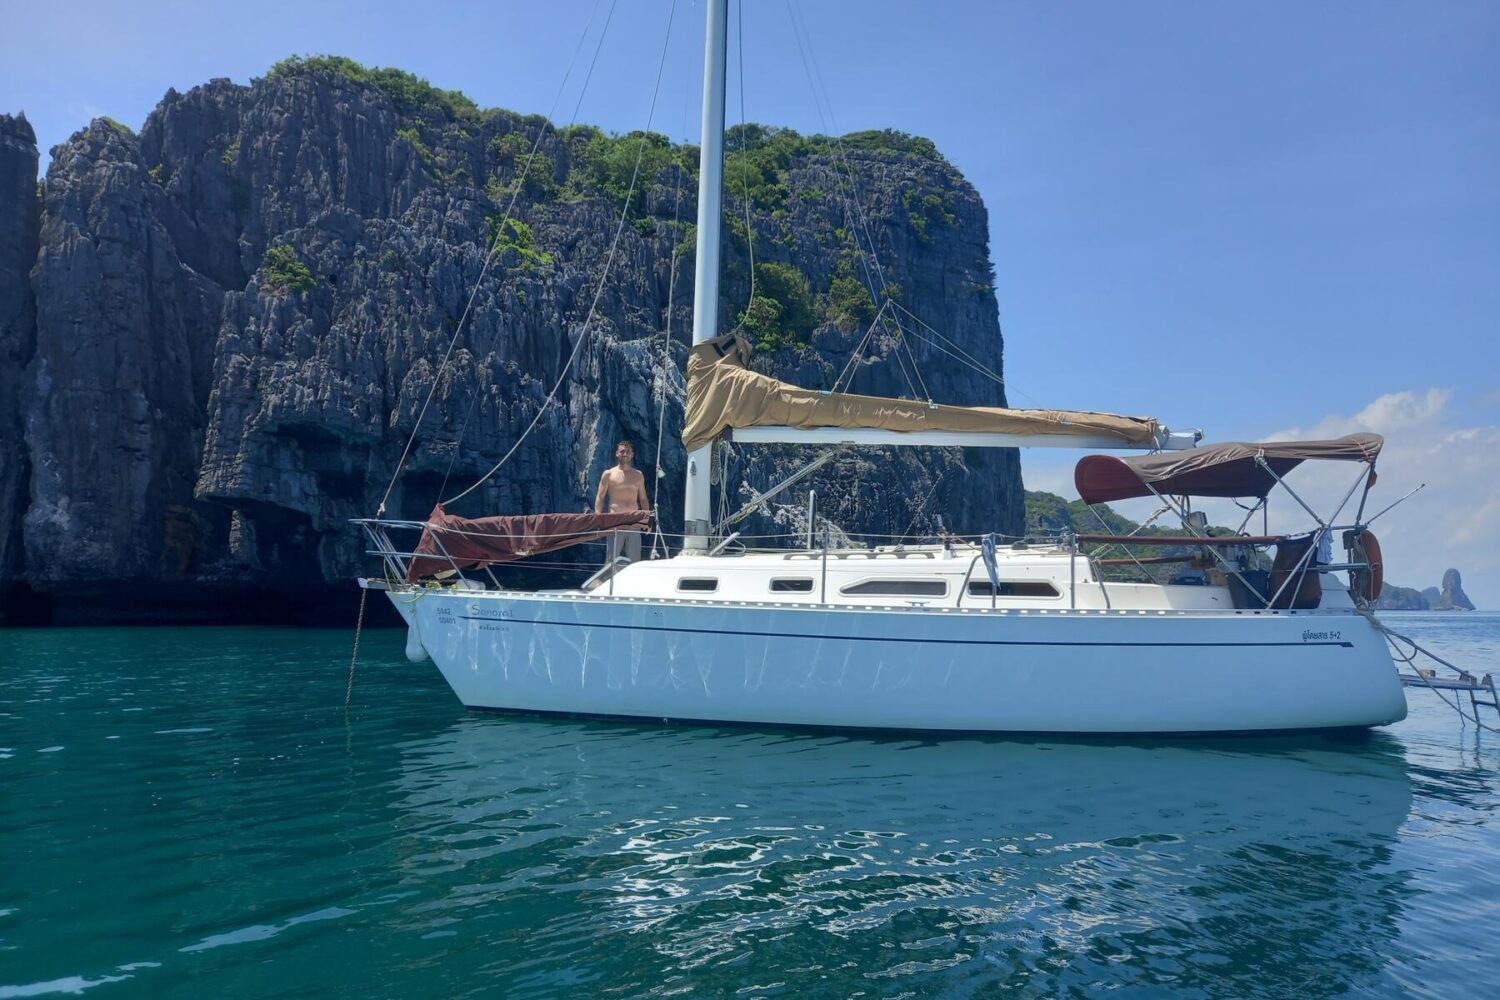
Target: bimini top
(723, 393)
(1216, 470)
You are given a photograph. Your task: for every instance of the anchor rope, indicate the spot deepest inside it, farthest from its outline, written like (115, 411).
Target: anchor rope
(359, 627)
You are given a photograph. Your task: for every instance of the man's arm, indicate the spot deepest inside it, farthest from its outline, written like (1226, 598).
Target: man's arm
(603, 492)
(642, 501)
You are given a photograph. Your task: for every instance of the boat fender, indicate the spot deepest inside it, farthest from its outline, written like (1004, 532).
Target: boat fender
(1366, 584)
(415, 651)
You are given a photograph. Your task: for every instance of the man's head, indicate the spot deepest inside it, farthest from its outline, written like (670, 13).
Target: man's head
(624, 452)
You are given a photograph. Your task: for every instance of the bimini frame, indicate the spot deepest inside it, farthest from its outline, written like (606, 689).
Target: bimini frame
(1234, 471)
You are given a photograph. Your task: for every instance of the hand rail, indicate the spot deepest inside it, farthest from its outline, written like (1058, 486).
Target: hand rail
(1191, 541)
(963, 588)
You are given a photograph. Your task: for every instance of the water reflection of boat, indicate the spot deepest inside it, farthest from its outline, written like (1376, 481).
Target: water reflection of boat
(970, 862)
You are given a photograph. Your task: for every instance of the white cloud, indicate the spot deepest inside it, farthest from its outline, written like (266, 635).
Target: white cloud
(1396, 413)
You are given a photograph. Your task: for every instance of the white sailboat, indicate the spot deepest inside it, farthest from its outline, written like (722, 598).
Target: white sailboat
(962, 635)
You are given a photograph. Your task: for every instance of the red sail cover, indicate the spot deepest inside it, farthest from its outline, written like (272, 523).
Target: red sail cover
(466, 542)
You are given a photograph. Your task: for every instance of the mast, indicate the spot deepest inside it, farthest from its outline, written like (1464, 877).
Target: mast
(696, 506)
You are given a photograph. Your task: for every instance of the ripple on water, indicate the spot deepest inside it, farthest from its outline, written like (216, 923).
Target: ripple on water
(267, 836)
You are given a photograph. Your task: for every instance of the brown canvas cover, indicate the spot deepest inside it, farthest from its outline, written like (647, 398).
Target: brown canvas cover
(1216, 470)
(722, 393)
(1305, 589)
(470, 542)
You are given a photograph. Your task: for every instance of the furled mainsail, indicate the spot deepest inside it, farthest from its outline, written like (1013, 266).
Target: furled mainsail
(723, 393)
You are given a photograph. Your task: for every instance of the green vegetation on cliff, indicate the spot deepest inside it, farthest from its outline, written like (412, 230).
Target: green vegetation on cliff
(1048, 513)
(109, 124)
(757, 158)
(414, 139)
(925, 210)
(285, 271)
(517, 153)
(516, 236)
(407, 91)
(848, 303)
(781, 313)
(608, 163)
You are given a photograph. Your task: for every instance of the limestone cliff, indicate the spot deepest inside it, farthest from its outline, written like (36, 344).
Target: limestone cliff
(232, 321)
(1453, 597)
(19, 222)
(1450, 598)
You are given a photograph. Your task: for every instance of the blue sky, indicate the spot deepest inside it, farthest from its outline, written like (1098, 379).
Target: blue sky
(1254, 218)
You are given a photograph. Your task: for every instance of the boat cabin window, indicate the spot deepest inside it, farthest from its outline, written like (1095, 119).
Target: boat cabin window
(1013, 588)
(699, 584)
(897, 588)
(792, 585)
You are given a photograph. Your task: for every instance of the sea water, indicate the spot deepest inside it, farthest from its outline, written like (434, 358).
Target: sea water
(193, 812)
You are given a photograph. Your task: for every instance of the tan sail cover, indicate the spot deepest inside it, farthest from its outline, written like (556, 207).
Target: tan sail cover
(722, 392)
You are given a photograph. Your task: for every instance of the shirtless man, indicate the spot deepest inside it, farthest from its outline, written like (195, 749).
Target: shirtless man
(623, 488)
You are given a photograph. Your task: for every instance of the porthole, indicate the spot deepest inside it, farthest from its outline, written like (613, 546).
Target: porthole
(1013, 588)
(896, 588)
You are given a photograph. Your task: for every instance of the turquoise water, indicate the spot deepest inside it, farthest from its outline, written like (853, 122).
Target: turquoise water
(191, 812)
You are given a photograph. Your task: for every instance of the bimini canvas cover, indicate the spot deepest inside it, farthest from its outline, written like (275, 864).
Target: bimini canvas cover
(468, 542)
(1215, 470)
(722, 392)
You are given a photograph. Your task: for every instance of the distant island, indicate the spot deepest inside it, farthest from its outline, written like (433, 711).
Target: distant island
(1450, 597)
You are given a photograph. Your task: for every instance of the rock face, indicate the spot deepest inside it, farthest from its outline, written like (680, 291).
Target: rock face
(1394, 598)
(1450, 598)
(1453, 597)
(20, 217)
(234, 321)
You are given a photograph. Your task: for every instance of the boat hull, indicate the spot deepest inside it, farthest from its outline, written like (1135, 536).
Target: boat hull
(909, 668)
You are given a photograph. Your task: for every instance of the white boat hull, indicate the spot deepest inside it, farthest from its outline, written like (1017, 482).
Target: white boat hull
(909, 668)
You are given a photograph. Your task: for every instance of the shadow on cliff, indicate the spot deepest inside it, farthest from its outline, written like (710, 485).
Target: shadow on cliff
(216, 335)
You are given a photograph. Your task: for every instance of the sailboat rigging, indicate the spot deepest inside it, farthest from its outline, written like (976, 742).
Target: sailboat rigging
(961, 635)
